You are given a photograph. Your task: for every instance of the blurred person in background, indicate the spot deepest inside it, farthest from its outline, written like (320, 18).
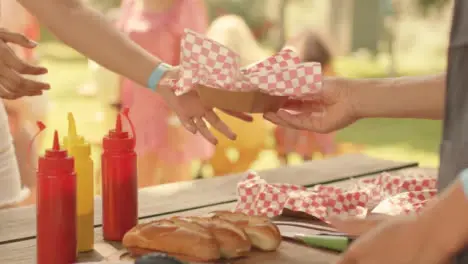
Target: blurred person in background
(165, 149)
(310, 48)
(24, 112)
(237, 156)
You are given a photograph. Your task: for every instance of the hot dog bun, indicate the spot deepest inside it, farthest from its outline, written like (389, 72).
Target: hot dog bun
(263, 234)
(232, 240)
(183, 239)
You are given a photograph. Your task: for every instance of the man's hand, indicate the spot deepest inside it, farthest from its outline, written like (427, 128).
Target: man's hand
(327, 111)
(400, 240)
(13, 84)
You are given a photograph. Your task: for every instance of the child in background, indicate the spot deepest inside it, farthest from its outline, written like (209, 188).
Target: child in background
(237, 156)
(310, 48)
(165, 149)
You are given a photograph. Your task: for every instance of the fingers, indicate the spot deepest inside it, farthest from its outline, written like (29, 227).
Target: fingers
(15, 86)
(304, 121)
(16, 38)
(203, 129)
(303, 105)
(188, 123)
(296, 121)
(241, 116)
(275, 119)
(214, 120)
(10, 59)
(4, 93)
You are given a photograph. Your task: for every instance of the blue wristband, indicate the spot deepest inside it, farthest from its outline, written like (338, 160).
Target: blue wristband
(157, 74)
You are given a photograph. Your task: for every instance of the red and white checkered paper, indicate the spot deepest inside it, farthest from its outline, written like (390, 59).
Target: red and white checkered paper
(405, 203)
(206, 62)
(401, 193)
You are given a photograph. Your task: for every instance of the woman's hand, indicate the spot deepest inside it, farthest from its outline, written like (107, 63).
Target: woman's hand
(193, 114)
(13, 84)
(331, 109)
(401, 240)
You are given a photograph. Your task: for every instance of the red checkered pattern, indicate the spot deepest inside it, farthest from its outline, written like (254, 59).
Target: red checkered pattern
(206, 62)
(405, 203)
(388, 185)
(311, 203)
(388, 194)
(285, 58)
(256, 197)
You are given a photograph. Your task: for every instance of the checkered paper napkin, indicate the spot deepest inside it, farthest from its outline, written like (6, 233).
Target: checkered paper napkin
(206, 62)
(403, 193)
(405, 203)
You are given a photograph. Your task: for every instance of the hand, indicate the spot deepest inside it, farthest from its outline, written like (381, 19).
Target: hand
(401, 240)
(193, 114)
(327, 111)
(13, 84)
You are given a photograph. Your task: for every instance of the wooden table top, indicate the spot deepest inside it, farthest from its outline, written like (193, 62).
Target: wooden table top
(17, 225)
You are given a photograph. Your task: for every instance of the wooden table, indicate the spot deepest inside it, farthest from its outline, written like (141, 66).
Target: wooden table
(18, 230)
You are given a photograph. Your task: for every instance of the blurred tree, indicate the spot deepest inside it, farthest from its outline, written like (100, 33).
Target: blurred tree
(427, 6)
(104, 5)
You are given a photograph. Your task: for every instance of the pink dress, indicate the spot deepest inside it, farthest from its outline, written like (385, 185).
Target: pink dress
(157, 129)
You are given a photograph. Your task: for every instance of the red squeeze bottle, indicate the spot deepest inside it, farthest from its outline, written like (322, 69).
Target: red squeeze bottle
(56, 206)
(119, 182)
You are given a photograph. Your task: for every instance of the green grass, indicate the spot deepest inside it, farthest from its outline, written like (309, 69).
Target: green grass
(396, 139)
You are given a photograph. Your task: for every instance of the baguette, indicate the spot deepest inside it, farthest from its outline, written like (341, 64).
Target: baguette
(185, 240)
(263, 234)
(233, 241)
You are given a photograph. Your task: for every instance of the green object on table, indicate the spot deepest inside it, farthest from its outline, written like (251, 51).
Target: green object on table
(336, 243)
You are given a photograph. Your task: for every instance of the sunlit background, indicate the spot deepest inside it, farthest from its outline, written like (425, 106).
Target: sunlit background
(370, 38)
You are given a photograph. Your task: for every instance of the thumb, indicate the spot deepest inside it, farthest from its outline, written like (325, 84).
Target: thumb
(356, 226)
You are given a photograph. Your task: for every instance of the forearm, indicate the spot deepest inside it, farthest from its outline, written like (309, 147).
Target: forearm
(90, 33)
(405, 97)
(446, 219)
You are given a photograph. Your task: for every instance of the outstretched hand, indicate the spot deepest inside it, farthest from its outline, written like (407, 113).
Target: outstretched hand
(193, 114)
(13, 84)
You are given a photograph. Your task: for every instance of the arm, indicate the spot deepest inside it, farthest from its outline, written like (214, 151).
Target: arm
(446, 220)
(405, 97)
(90, 33)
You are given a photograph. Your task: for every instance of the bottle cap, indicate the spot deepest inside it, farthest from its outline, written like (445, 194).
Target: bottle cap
(75, 144)
(56, 159)
(117, 139)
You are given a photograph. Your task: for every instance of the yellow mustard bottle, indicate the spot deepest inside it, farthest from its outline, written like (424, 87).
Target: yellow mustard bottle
(81, 152)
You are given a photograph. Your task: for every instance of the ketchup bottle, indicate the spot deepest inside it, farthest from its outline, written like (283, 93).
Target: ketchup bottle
(56, 206)
(119, 182)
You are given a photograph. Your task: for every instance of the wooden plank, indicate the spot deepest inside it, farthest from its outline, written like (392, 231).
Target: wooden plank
(19, 223)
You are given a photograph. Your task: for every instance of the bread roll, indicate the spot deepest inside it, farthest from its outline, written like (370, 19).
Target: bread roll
(261, 231)
(233, 241)
(182, 239)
